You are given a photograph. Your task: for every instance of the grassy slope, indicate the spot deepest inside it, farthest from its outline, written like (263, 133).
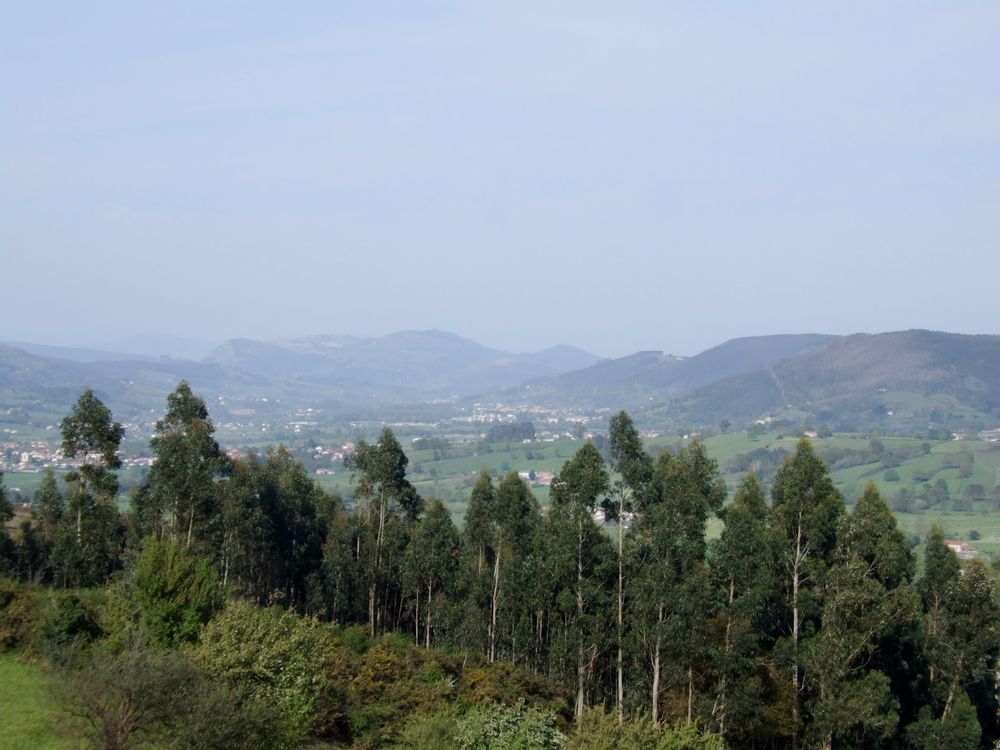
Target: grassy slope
(28, 716)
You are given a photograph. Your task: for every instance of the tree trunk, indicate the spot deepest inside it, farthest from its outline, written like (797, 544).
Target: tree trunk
(690, 715)
(580, 688)
(494, 606)
(796, 573)
(621, 607)
(727, 647)
(427, 629)
(656, 671)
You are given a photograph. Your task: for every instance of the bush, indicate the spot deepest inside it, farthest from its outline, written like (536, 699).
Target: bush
(492, 726)
(891, 475)
(20, 611)
(143, 696)
(67, 628)
(598, 729)
(293, 664)
(437, 730)
(177, 594)
(394, 680)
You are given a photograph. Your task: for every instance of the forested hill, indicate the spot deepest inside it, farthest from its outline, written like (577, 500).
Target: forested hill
(416, 363)
(636, 379)
(917, 376)
(408, 367)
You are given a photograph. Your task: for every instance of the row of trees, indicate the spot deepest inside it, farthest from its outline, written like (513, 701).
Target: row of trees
(799, 625)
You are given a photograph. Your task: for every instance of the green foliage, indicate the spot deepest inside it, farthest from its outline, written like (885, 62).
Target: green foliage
(959, 730)
(181, 481)
(67, 627)
(438, 730)
(21, 609)
(583, 480)
(140, 697)
(598, 729)
(176, 593)
(292, 664)
(494, 726)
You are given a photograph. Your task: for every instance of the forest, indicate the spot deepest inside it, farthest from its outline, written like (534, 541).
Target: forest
(235, 603)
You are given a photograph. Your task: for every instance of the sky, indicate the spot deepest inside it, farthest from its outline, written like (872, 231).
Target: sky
(617, 176)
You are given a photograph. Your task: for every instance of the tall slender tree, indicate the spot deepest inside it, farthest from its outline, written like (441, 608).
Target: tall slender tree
(188, 461)
(806, 510)
(745, 569)
(515, 516)
(867, 599)
(580, 487)
(384, 491)
(90, 434)
(672, 599)
(635, 471)
(432, 557)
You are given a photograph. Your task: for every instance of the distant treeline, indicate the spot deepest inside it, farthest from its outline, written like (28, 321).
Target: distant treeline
(510, 432)
(800, 625)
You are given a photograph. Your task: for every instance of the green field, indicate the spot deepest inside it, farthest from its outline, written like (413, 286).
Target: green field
(28, 718)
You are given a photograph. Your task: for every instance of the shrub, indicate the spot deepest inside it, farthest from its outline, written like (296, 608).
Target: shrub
(891, 475)
(143, 696)
(437, 730)
(20, 611)
(492, 726)
(598, 729)
(293, 664)
(177, 594)
(67, 627)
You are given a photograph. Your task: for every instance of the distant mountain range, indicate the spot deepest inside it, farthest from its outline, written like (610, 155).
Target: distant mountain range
(915, 378)
(635, 380)
(901, 381)
(346, 371)
(411, 363)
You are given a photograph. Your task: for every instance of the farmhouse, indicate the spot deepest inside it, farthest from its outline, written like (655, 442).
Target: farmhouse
(963, 550)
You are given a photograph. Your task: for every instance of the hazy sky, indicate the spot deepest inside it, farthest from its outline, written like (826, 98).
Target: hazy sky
(618, 176)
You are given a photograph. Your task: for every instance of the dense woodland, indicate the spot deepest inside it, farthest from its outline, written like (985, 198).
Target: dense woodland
(804, 624)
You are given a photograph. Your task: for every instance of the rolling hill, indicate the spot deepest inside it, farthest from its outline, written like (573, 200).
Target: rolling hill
(904, 379)
(413, 364)
(635, 380)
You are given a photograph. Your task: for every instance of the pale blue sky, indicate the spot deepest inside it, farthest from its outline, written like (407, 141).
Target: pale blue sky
(619, 176)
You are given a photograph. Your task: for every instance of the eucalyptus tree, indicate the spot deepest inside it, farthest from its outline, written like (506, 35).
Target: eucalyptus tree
(272, 533)
(744, 565)
(867, 602)
(514, 518)
(6, 513)
(477, 517)
(182, 479)
(90, 434)
(634, 468)
(963, 645)
(672, 594)
(431, 561)
(476, 574)
(578, 489)
(383, 491)
(806, 510)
